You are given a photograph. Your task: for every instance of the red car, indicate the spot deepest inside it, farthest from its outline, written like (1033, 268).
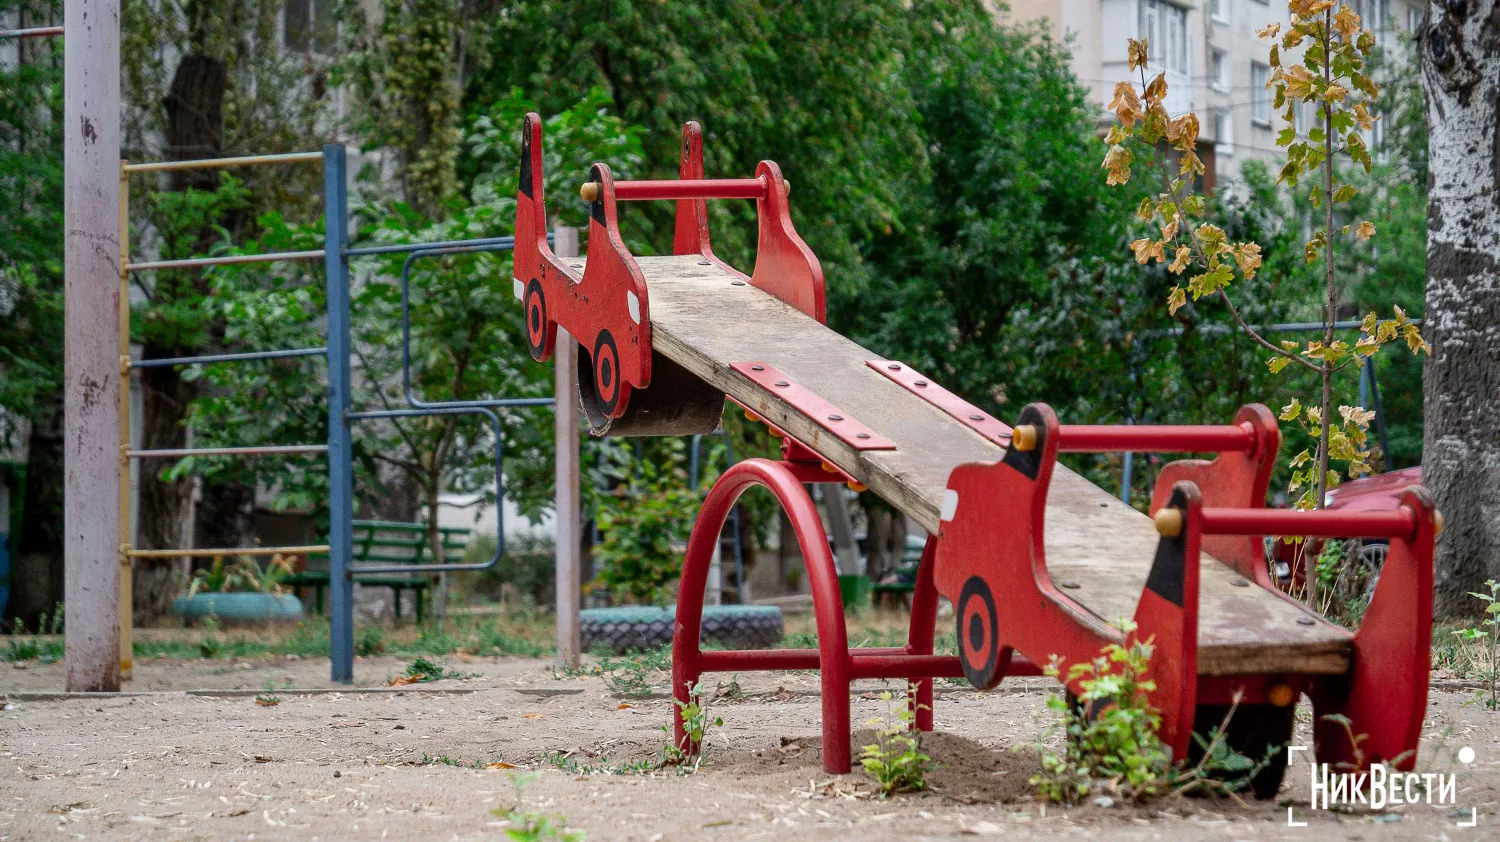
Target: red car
(1381, 492)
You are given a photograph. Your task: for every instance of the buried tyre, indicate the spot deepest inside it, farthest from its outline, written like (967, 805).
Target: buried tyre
(635, 629)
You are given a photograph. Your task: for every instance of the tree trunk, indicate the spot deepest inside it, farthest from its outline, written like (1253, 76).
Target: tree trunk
(1460, 54)
(163, 505)
(195, 129)
(36, 573)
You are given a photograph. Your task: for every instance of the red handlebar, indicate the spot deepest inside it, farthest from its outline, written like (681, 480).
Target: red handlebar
(696, 188)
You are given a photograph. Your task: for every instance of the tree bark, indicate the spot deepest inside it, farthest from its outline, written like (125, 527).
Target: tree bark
(36, 577)
(163, 505)
(1460, 54)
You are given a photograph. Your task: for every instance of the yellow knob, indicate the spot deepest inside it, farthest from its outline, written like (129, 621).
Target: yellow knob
(1023, 437)
(1168, 522)
(589, 191)
(1437, 522)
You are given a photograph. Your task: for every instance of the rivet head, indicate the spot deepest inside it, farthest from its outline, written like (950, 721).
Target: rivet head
(737, 283)
(576, 265)
(782, 383)
(705, 263)
(861, 435)
(894, 367)
(1305, 621)
(835, 418)
(976, 417)
(1069, 584)
(919, 383)
(1240, 583)
(757, 368)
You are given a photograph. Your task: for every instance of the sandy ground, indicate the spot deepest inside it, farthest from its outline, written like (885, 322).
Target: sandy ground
(175, 765)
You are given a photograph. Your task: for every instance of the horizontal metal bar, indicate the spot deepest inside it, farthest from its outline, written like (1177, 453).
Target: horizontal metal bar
(692, 188)
(269, 450)
(315, 548)
(34, 32)
(230, 358)
(453, 408)
(194, 262)
(226, 163)
(1164, 438)
(1397, 523)
(405, 248)
(1279, 327)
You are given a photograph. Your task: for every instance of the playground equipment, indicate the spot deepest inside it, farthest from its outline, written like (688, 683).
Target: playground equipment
(335, 255)
(1036, 560)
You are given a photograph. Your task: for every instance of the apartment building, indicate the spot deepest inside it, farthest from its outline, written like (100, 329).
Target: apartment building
(1216, 66)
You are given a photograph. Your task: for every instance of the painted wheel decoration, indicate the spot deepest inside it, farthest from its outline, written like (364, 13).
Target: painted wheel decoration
(536, 320)
(979, 648)
(607, 373)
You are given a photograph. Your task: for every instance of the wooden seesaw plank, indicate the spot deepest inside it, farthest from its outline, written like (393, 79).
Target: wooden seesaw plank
(706, 323)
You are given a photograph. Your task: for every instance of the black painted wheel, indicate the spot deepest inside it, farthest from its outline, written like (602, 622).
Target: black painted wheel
(536, 320)
(979, 649)
(1259, 732)
(606, 360)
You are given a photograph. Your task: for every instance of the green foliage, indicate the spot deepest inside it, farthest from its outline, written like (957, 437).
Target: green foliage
(567, 762)
(688, 755)
(244, 575)
(530, 826)
(1111, 731)
(20, 647)
(1488, 635)
(31, 231)
(268, 699)
(643, 522)
(422, 669)
(895, 760)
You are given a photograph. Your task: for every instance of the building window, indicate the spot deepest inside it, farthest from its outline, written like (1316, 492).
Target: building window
(1221, 11)
(1220, 70)
(309, 26)
(1413, 18)
(1260, 102)
(1164, 27)
(1223, 133)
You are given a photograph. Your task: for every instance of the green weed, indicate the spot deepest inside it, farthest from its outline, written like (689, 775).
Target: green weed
(688, 755)
(530, 826)
(895, 760)
(424, 670)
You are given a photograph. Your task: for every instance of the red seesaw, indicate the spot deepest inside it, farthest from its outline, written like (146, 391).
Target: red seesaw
(1036, 561)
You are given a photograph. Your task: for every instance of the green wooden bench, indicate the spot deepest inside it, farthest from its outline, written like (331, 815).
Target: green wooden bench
(385, 542)
(906, 573)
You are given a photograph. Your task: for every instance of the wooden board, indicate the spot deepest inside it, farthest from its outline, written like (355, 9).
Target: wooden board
(703, 321)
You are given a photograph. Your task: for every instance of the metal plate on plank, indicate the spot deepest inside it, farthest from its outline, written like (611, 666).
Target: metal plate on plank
(845, 428)
(961, 410)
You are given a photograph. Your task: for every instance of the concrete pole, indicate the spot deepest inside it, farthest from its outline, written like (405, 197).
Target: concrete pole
(565, 390)
(91, 359)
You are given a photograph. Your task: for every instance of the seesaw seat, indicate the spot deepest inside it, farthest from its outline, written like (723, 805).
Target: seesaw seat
(705, 322)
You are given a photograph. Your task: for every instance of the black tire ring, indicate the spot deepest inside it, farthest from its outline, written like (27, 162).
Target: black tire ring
(982, 677)
(636, 629)
(538, 316)
(611, 369)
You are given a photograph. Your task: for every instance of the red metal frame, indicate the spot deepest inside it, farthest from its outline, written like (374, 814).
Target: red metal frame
(839, 665)
(606, 308)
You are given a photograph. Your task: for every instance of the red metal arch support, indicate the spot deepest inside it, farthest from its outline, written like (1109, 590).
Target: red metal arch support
(838, 664)
(833, 660)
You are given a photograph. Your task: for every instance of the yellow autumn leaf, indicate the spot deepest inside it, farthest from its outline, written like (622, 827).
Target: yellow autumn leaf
(1357, 415)
(1118, 161)
(1268, 31)
(1156, 89)
(1175, 300)
(1291, 411)
(1125, 104)
(1364, 230)
(1181, 261)
(1414, 340)
(1347, 23)
(1137, 53)
(1247, 256)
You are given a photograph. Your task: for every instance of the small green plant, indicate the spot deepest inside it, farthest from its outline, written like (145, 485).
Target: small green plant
(20, 648)
(895, 760)
(268, 699)
(1111, 730)
(688, 755)
(530, 826)
(242, 576)
(1220, 770)
(423, 670)
(369, 641)
(1487, 636)
(568, 763)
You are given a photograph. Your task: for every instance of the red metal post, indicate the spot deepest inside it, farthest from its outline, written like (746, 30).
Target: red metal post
(921, 635)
